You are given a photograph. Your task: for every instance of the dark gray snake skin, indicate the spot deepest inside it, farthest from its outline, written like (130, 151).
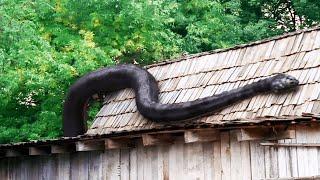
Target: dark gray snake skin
(146, 89)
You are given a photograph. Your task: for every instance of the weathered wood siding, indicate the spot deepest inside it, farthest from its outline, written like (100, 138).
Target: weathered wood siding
(223, 159)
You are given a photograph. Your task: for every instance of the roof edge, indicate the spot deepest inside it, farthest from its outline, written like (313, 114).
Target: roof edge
(228, 125)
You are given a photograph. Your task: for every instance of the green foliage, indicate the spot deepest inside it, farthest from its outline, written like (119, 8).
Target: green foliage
(45, 45)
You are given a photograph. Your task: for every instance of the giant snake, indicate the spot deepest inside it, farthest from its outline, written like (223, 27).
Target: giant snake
(110, 79)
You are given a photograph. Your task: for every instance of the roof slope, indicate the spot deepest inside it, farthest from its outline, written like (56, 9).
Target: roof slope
(209, 73)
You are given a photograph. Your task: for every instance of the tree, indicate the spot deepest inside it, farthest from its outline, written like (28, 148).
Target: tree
(45, 45)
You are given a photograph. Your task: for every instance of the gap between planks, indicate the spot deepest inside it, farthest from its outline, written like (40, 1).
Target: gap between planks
(296, 178)
(291, 144)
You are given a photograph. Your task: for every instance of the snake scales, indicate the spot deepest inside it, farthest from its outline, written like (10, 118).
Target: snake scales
(146, 89)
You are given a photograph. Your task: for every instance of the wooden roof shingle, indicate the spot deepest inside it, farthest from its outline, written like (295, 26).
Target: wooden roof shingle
(210, 73)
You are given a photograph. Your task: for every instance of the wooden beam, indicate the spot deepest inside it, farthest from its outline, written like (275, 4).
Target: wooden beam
(283, 134)
(60, 149)
(201, 135)
(34, 151)
(2, 153)
(265, 133)
(119, 143)
(92, 145)
(157, 139)
(14, 153)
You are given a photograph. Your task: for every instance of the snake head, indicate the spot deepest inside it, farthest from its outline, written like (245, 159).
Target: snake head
(283, 82)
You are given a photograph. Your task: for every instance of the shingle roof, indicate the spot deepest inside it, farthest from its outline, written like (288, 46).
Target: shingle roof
(209, 73)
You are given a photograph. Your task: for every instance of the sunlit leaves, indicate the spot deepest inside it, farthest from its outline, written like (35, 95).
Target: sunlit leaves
(45, 45)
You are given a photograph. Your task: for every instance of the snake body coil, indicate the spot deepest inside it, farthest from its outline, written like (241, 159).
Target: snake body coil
(146, 89)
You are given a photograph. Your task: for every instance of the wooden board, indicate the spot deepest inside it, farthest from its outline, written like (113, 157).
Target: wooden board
(265, 134)
(90, 145)
(157, 139)
(119, 143)
(66, 148)
(225, 158)
(201, 135)
(33, 151)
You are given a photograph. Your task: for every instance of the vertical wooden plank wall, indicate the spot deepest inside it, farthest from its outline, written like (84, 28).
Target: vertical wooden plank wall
(223, 159)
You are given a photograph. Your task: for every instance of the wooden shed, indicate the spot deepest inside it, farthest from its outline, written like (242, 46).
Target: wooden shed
(269, 136)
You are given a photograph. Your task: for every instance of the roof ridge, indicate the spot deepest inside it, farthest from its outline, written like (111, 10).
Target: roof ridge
(282, 36)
